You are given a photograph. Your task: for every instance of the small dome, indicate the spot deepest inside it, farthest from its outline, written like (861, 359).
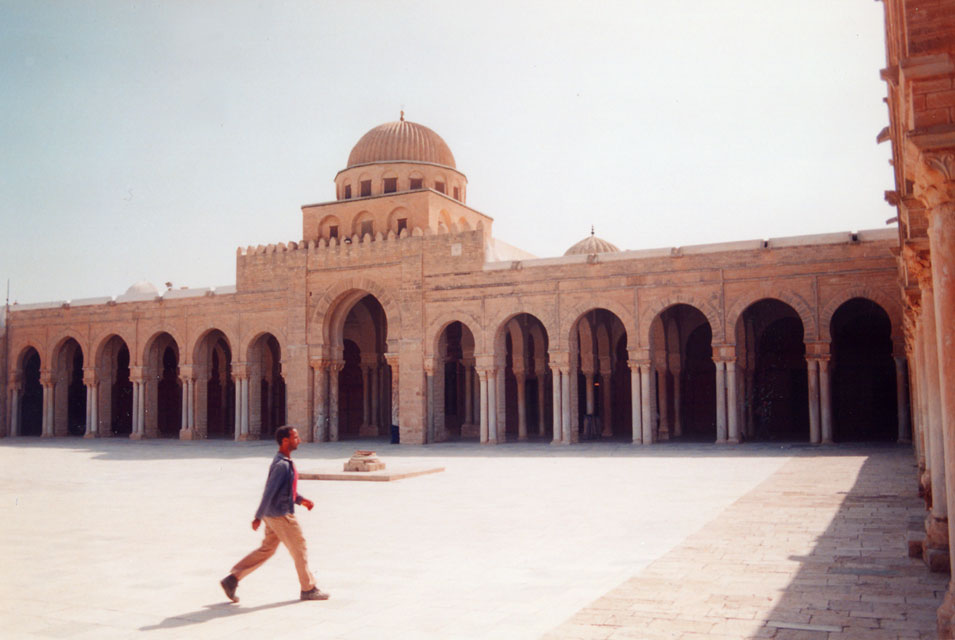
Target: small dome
(142, 288)
(590, 245)
(401, 141)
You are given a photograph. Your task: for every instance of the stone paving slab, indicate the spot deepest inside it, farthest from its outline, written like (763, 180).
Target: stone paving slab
(818, 550)
(112, 538)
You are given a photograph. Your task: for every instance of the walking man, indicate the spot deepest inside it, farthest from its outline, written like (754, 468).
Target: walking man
(277, 510)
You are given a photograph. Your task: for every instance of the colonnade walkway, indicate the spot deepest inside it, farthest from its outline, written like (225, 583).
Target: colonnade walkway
(113, 539)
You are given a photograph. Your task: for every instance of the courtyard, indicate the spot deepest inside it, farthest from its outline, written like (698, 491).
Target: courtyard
(110, 538)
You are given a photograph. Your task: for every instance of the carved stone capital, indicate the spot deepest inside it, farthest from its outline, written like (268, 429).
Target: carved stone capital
(934, 178)
(918, 265)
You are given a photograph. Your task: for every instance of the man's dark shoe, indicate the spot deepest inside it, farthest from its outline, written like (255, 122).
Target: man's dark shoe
(314, 594)
(229, 583)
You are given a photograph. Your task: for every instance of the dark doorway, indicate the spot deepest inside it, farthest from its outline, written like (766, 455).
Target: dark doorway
(31, 403)
(864, 401)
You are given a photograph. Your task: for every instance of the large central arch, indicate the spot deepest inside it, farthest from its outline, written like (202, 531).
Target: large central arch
(359, 382)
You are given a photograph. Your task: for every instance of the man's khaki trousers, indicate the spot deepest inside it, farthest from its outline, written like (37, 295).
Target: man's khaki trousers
(284, 529)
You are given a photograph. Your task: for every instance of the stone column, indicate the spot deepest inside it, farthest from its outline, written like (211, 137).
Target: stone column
(663, 401)
(566, 437)
(375, 391)
(646, 409)
(246, 430)
(468, 417)
(541, 428)
(936, 545)
(365, 399)
(334, 423)
(902, 399)
(556, 388)
(392, 360)
(237, 421)
(607, 400)
(521, 405)
(636, 405)
(589, 391)
(429, 407)
(825, 400)
(136, 377)
(483, 393)
(186, 430)
(493, 437)
(16, 389)
(677, 402)
(92, 417)
(812, 368)
(732, 406)
(319, 400)
(721, 427)
(46, 380)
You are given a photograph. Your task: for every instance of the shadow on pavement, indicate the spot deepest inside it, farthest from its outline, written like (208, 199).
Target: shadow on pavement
(212, 612)
(858, 579)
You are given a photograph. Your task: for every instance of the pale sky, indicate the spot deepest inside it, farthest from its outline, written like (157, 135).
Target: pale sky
(149, 140)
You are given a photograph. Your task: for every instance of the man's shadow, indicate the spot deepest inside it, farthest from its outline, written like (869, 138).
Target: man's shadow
(211, 612)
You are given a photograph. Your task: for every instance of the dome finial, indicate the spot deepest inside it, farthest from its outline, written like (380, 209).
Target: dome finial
(402, 115)
(591, 229)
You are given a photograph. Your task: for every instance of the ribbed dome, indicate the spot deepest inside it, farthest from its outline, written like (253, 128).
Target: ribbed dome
(590, 245)
(141, 288)
(402, 140)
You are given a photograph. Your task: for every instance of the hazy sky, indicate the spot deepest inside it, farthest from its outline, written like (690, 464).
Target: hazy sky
(148, 140)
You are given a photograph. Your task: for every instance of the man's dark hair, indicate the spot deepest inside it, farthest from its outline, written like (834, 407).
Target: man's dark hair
(282, 433)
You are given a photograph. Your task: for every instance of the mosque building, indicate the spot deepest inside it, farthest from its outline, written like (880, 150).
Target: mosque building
(399, 307)
(399, 313)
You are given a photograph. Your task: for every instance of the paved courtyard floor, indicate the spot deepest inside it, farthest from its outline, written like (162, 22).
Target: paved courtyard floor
(112, 539)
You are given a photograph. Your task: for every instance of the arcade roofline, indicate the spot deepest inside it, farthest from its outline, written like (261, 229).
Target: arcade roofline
(819, 239)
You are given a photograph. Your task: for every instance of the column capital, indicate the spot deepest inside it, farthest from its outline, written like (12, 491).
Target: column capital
(318, 363)
(241, 370)
(635, 365)
(724, 352)
(818, 349)
(934, 178)
(560, 358)
(918, 264)
(520, 375)
(188, 371)
(46, 377)
(89, 376)
(429, 366)
(336, 365)
(392, 358)
(137, 374)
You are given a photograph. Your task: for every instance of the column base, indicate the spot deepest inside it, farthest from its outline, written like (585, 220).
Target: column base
(247, 437)
(137, 436)
(188, 434)
(89, 434)
(732, 441)
(946, 616)
(47, 435)
(935, 551)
